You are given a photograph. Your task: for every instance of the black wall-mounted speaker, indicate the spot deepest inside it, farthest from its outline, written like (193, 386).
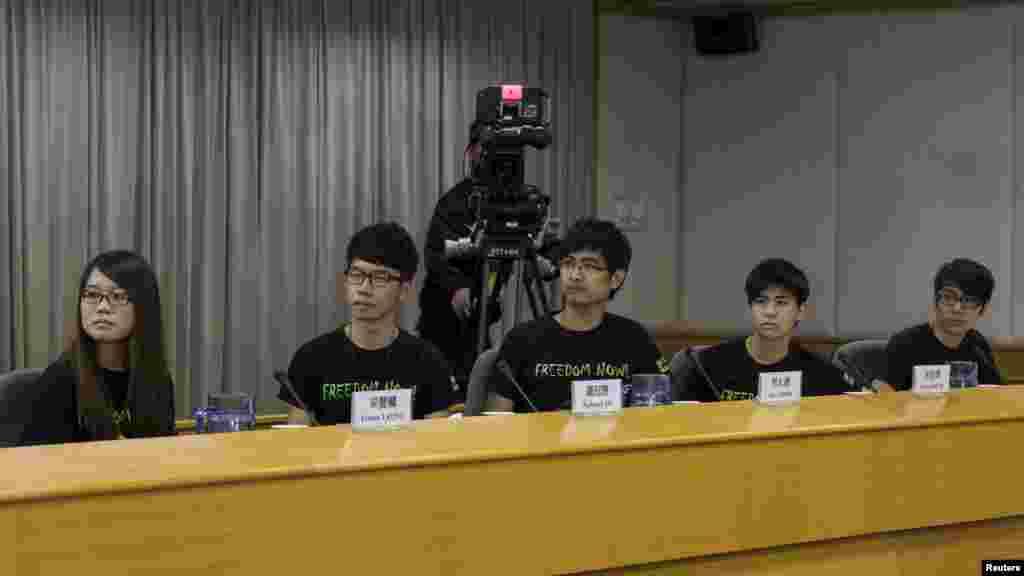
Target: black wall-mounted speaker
(728, 33)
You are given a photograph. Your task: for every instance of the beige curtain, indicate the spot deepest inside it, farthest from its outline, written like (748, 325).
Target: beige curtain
(237, 145)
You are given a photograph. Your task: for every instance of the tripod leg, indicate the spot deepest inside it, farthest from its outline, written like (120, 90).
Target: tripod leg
(481, 335)
(531, 297)
(518, 293)
(534, 283)
(543, 295)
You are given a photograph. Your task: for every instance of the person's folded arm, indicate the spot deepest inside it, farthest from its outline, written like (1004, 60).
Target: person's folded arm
(446, 224)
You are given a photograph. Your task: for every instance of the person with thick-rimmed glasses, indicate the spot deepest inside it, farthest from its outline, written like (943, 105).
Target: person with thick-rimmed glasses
(962, 291)
(371, 352)
(113, 380)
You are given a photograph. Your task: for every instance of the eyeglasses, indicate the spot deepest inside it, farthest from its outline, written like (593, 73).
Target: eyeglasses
(93, 297)
(949, 299)
(763, 301)
(378, 279)
(590, 268)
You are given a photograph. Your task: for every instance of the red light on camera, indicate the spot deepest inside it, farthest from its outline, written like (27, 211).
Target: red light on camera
(512, 92)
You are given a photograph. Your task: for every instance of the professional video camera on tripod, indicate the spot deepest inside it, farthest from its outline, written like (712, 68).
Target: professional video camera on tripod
(512, 221)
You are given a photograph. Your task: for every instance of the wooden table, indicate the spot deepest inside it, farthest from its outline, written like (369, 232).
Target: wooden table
(880, 484)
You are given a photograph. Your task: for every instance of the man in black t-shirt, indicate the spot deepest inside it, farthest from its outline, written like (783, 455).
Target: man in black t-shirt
(777, 293)
(372, 352)
(582, 341)
(963, 289)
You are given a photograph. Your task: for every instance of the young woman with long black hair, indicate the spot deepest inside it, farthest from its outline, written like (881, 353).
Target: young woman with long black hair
(113, 380)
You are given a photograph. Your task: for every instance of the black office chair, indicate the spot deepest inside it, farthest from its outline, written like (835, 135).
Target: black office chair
(863, 361)
(479, 382)
(682, 370)
(14, 400)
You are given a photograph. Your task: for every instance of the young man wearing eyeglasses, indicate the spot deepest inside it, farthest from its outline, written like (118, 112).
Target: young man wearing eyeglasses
(582, 341)
(371, 352)
(963, 289)
(777, 292)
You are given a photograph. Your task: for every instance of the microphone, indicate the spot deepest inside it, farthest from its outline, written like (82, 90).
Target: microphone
(986, 360)
(282, 378)
(506, 371)
(700, 368)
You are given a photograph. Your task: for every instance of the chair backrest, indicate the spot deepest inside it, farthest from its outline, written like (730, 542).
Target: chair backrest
(479, 382)
(679, 369)
(862, 360)
(13, 391)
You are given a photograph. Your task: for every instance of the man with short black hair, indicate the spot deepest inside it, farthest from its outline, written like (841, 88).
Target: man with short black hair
(582, 341)
(777, 293)
(962, 291)
(371, 352)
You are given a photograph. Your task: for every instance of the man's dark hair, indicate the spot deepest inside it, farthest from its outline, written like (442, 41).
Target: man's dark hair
(777, 273)
(970, 277)
(385, 244)
(602, 237)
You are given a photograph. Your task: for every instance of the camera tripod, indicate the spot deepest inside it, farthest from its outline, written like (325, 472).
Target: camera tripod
(521, 251)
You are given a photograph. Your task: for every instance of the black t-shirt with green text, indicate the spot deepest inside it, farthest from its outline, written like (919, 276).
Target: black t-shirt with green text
(918, 346)
(328, 369)
(546, 358)
(737, 375)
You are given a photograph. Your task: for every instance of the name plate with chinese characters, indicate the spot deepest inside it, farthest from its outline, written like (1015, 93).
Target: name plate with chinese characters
(381, 409)
(931, 380)
(778, 388)
(596, 397)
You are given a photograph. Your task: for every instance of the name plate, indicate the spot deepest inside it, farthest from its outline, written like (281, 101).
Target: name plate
(596, 397)
(381, 409)
(931, 380)
(779, 387)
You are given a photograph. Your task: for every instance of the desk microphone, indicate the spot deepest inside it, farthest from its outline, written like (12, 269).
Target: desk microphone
(986, 360)
(506, 371)
(700, 368)
(284, 380)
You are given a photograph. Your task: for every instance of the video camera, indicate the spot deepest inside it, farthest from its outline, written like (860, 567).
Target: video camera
(509, 117)
(511, 220)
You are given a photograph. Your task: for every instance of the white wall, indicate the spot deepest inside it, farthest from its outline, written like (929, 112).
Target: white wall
(760, 178)
(925, 125)
(866, 148)
(639, 122)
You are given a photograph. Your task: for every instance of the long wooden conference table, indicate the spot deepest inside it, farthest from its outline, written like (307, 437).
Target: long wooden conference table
(887, 484)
